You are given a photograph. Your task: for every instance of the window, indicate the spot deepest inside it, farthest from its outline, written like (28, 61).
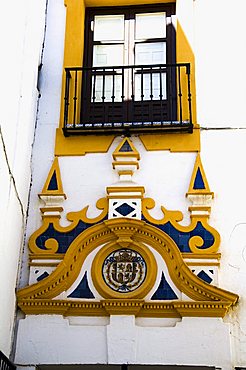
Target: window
(126, 37)
(129, 79)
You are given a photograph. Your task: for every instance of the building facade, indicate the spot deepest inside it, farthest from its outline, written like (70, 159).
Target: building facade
(135, 237)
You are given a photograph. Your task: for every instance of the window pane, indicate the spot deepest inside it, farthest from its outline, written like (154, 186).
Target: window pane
(108, 55)
(109, 28)
(112, 88)
(150, 53)
(150, 25)
(143, 86)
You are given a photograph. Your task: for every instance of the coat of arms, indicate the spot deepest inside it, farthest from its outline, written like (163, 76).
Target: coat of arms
(124, 270)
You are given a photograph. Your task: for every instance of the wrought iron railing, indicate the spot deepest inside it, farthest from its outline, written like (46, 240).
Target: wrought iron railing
(5, 363)
(125, 99)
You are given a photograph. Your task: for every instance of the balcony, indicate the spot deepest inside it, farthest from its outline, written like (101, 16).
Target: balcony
(127, 99)
(5, 363)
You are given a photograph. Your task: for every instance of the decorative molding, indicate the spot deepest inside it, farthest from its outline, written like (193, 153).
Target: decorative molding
(122, 232)
(139, 308)
(126, 149)
(199, 183)
(53, 184)
(196, 242)
(51, 245)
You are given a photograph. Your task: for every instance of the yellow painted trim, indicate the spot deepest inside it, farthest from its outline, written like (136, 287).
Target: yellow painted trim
(198, 208)
(125, 196)
(133, 153)
(44, 264)
(198, 309)
(125, 172)
(97, 278)
(203, 263)
(202, 256)
(196, 242)
(97, 3)
(174, 142)
(73, 56)
(54, 170)
(51, 209)
(206, 191)
(61, 307)
(125, 163)
(124, 232)
(184, 54)
(101, 204)
(172, 216)
(80, 145)
(47, 256)
(124, 189)
(171, 309)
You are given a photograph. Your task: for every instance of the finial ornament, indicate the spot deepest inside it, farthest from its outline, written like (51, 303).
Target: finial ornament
(52, 193)
(199, 192)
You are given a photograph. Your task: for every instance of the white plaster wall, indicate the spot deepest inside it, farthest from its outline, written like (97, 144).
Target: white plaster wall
(220, 36)
(48, 113)
(121, 341)
(21, 36)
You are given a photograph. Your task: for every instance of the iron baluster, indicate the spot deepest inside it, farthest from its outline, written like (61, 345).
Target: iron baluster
(66, 97)
(161, 96)
(113, 94)
(189, 93)
(180, 97)
(103, 96)
(151, 95)
(142, 95)
(133, 71)
(122, 95)
(93, 95)
(75, 99)
(170, 93)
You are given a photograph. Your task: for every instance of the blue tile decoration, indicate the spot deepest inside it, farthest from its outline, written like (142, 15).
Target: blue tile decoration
(82, 290)
(64, 239)
(181, 238)
(204, 276)
(164, 291)
(198, 183)
(124, 209)
(43, 276)
(126, 147)
(53, 182)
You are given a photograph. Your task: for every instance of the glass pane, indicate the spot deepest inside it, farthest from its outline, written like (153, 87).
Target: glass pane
(109, 28)
(143, 83)
(150, 25)
(109, 91)
(150, 53)
(108, 55)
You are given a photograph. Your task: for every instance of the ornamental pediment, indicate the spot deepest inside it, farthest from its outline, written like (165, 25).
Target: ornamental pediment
(124, 261)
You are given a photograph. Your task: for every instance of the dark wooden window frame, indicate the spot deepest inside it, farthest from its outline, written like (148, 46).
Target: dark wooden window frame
(129, 12)
(170, 39)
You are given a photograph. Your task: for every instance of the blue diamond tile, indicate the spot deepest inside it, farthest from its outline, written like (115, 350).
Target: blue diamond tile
(124, 209)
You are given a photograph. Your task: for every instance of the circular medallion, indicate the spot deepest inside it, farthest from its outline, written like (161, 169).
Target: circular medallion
(124, 270)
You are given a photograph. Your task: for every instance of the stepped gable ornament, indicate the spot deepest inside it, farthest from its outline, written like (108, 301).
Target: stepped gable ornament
(125, 241)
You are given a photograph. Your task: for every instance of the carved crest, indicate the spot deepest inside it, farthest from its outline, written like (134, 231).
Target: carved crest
(124, 270)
